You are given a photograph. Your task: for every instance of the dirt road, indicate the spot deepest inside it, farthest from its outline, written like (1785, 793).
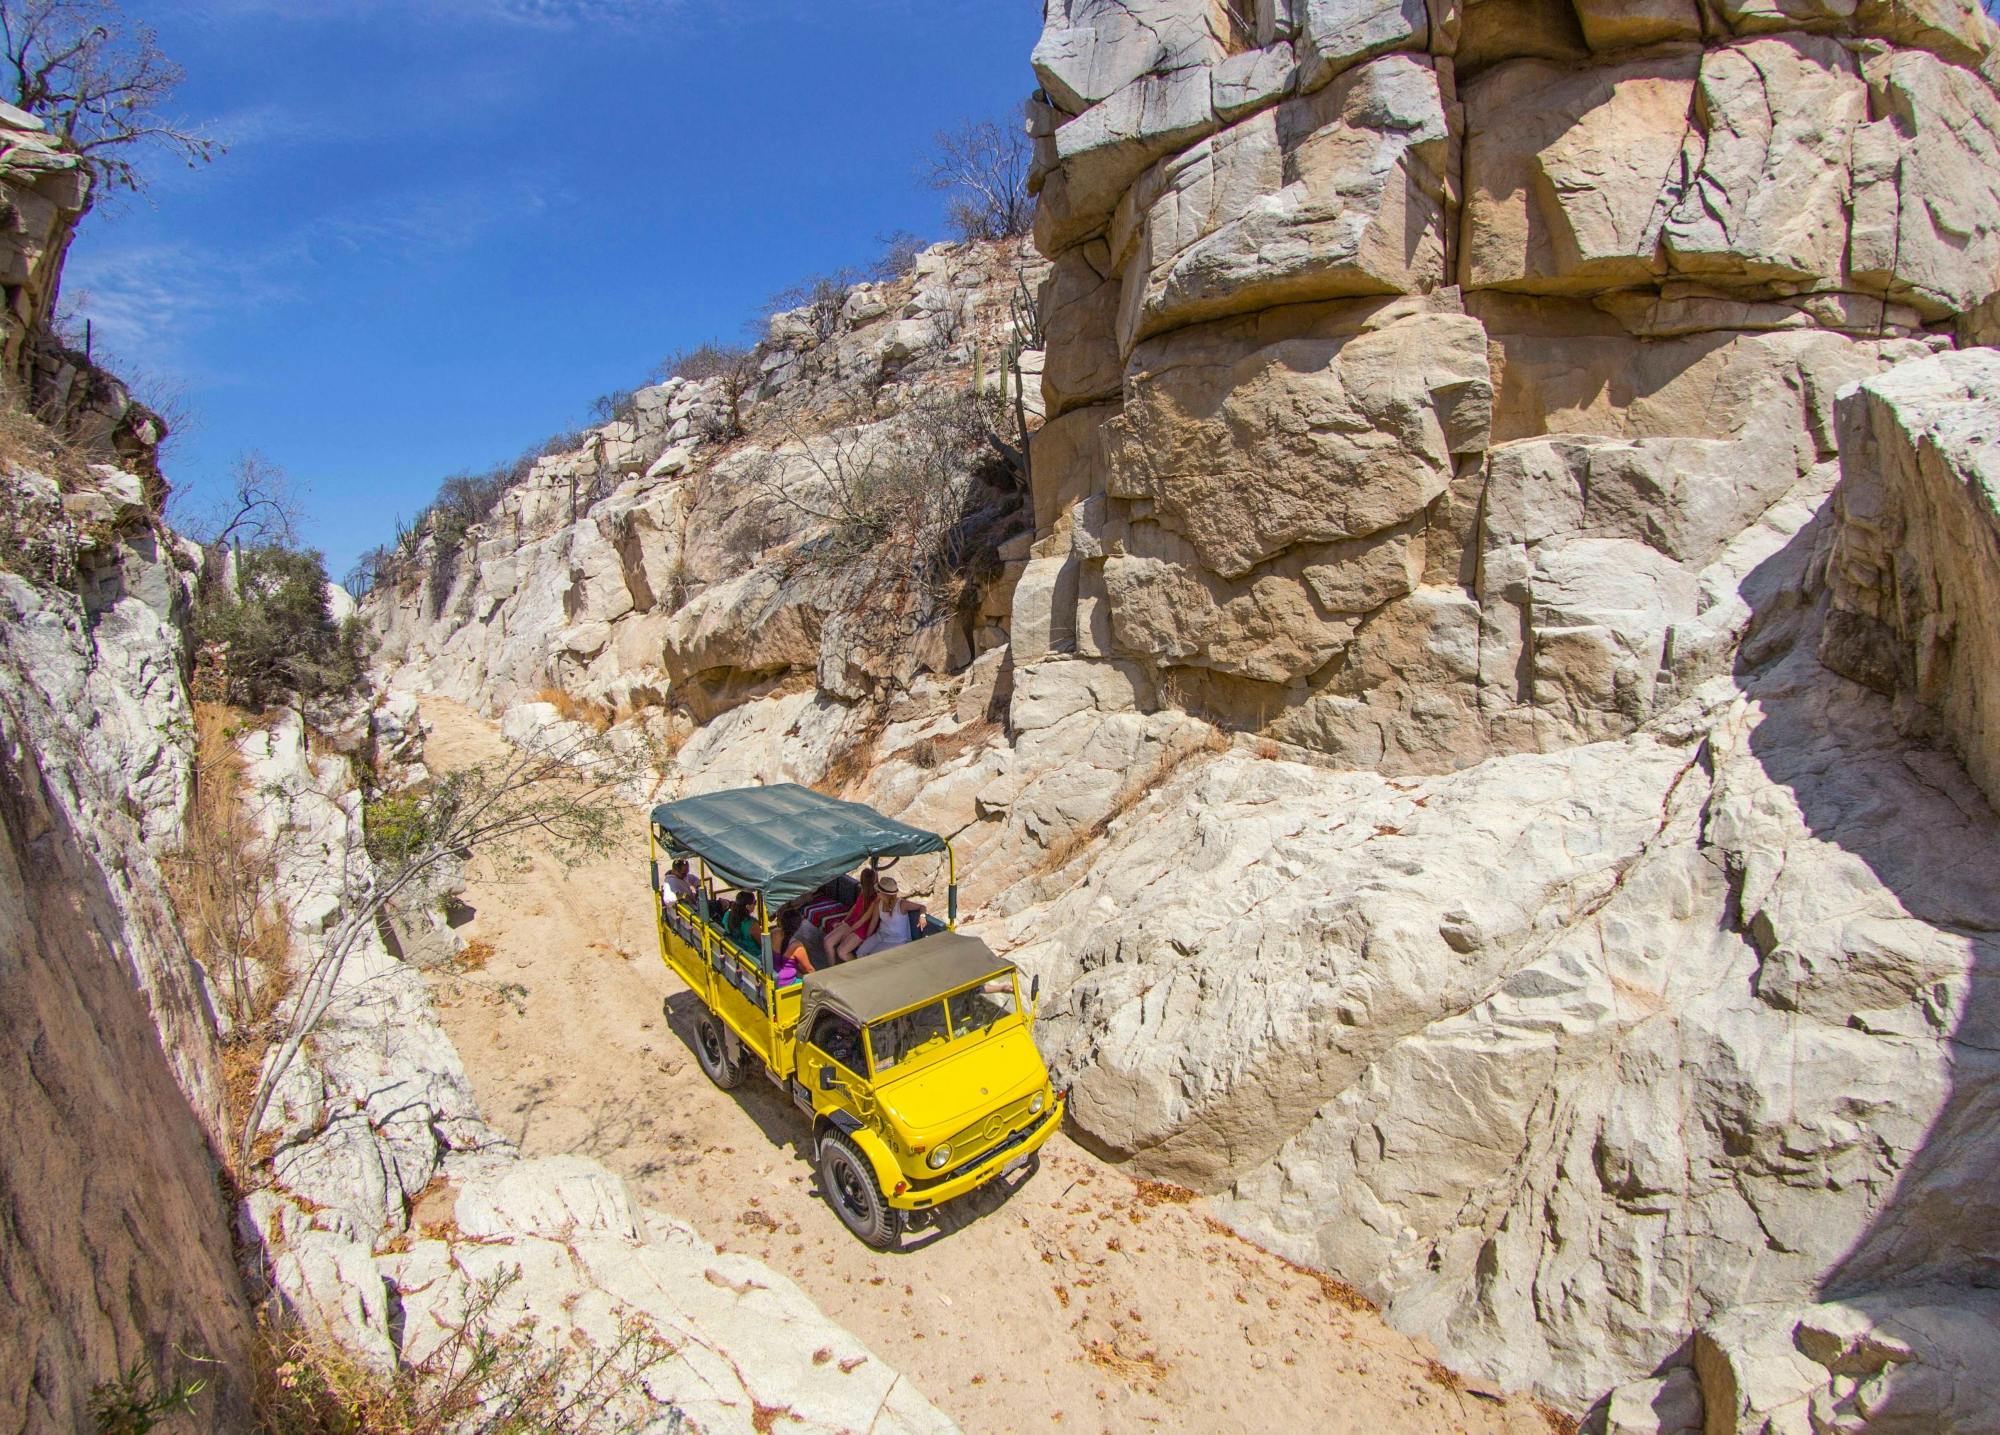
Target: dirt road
(1080, 1300)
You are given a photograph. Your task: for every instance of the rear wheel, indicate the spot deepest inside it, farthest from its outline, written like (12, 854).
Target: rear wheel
(855, 1195)
(712, 1049)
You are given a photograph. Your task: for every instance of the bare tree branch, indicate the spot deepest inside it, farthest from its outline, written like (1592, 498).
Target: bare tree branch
(261, 507)
(984, 167)
(101, 83)
(545, 789)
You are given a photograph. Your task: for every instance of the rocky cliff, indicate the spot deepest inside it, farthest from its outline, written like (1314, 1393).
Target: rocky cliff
(1455, 393)
(1490, 744)
(116, 1244)
(676, 547)
(111, 1262)
(380, 1212)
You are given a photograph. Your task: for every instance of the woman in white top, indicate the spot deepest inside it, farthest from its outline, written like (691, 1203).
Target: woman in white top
(894, 911)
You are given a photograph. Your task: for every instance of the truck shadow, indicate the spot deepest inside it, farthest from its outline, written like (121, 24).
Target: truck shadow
(789, 1129)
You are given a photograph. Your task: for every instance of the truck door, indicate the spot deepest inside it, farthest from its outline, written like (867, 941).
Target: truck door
(836, 1046)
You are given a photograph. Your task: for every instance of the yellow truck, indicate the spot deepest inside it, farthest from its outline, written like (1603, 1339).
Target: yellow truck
(916, 1065)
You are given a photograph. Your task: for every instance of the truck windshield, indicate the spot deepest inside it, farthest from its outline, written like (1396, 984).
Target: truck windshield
(899, 1038)
(975, 1010)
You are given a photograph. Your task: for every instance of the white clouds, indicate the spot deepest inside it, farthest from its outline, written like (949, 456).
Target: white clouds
(143, 299)
(533, 14)
(149, 302)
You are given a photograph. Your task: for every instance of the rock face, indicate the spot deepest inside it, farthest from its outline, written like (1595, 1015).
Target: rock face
(1381, 275)
(1915, 567)
(1546, 416)
(45, 188)
(106, 1025)
(666, 552)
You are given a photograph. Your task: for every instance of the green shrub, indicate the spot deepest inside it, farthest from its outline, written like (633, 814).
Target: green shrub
(273, 638)
(138, 1400)
(396, 827)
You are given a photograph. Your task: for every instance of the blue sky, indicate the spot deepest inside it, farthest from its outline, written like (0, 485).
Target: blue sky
(442, 228)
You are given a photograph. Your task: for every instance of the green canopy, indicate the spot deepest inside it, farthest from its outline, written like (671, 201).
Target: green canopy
(784, 840)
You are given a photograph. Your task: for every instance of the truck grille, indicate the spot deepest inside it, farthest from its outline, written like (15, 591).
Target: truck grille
(1007, 1142)
(982, 1136)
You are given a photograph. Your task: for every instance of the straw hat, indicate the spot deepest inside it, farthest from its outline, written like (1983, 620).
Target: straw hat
(886, 883)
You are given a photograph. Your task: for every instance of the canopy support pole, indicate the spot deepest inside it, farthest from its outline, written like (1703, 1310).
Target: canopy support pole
(707, 954)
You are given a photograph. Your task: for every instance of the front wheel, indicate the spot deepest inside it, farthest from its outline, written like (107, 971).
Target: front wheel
(711, 1049)
(855, 1195)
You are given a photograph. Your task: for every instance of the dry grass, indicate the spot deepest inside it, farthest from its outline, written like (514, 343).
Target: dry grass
(475, 955)
(1146, 1368)
(1438, 1373)
(1559, 1422)
(590, 712)
(934, 752)
(220, 884)
(1267, 749)
(485, 1377)
(1336, 1291)
(28, 442)
(856, 759)
(1172, 757)
(1162, 1193)
(38, 540)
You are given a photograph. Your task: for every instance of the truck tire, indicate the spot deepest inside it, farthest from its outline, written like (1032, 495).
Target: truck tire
(850, 1187)
(711, 1050)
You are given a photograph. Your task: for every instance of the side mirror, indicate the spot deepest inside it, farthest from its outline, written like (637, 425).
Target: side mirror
(1035, 990)
(826, 1078)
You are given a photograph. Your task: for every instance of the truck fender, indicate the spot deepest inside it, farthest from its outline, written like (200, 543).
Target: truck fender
(887, 1172)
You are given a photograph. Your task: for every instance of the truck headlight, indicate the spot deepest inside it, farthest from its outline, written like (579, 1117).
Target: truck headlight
(938, 1157)
(1035, 1106)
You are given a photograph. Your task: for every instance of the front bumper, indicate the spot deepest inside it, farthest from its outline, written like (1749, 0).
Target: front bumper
(908, 1195)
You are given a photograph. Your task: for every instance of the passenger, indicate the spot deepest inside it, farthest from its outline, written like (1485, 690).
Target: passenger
(894, 916)
(680, 885)
(805, 951)
(739, 922)
(844, 937)
(789, 917)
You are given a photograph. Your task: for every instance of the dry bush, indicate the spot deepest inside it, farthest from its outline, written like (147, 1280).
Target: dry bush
(38, 540)
(1559, 1422)
(1162, 1193)
(474, 955)
(984, 167)
(483, 1378)
(1267, 749)
(590, 712)
(893, 520)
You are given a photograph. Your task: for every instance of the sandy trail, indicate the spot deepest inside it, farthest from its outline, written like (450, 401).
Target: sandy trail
(1079, 1300)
